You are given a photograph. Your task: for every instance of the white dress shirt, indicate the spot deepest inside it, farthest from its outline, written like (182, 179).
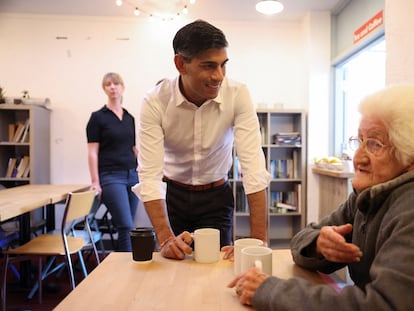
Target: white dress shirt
(194, 145)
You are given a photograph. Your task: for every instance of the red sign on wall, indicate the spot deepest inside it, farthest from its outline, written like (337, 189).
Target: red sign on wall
(369, 26)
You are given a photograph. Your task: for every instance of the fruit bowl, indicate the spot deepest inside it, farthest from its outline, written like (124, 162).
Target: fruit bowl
(320, 165)
(335, 166)
(329, 163)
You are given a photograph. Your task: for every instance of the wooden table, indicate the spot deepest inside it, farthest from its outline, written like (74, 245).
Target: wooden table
(20, 201)
(119, 283)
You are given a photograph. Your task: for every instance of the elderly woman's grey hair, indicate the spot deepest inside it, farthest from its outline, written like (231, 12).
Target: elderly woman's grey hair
(394, 106)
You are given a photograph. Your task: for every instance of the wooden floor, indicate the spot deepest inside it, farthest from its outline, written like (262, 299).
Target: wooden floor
(55, 288)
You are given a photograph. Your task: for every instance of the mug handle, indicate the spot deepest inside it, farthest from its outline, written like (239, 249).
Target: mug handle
(258, 264)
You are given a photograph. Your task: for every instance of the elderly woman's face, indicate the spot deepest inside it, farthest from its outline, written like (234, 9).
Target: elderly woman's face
(372, 169)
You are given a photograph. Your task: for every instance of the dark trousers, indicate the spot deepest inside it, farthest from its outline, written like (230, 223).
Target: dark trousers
(190, 210)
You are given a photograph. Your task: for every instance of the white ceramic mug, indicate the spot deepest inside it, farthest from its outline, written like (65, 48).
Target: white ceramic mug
(206, 245)
(257, 256)
(238, 246)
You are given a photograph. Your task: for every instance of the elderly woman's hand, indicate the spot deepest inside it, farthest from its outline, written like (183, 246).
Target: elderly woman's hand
(246, 284)
(332, 245)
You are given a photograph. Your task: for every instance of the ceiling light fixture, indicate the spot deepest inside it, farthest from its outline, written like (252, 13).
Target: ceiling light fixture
(152, 15)
(269, 7)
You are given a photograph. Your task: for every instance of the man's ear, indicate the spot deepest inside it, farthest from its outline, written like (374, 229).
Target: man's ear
(179, 63)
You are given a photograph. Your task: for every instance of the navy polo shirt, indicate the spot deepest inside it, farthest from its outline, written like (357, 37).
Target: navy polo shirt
(115, 137)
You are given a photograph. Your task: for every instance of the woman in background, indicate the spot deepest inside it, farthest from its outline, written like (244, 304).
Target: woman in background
(112, 158)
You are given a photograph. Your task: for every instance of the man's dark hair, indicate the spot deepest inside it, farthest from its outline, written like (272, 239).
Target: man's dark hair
(196, 38)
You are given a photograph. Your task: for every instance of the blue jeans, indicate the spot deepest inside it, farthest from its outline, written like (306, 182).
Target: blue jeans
(121, 202)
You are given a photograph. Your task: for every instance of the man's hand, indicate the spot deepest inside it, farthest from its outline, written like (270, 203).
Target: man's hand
(228, 252)
(177, 247)
(332, 245)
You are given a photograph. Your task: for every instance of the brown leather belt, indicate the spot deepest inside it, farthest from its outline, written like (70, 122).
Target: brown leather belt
(197, 187)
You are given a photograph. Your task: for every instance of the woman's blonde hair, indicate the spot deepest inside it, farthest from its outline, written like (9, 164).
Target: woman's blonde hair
(112, 76)
(394, 106)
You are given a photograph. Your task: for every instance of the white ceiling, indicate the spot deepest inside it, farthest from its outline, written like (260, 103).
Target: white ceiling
(206, 9)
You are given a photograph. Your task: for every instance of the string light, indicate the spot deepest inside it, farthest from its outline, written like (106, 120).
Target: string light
(138, 10)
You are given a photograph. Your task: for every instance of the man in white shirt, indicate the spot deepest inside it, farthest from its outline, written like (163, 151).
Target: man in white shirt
(186, 133)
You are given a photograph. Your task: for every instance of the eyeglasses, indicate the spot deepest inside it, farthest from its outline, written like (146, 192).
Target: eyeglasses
(371, 145)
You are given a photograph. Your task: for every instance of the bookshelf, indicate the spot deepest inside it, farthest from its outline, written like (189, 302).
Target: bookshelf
(24, 144)
(284, 145)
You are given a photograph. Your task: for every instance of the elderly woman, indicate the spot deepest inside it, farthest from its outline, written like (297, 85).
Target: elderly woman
(372, 232)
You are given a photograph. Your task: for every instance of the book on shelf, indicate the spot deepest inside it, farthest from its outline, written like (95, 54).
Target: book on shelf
(25, 136)
(282, 168)
(26, 172)
(18, 133)
(286, 206)
(298, 196)
(286, 200)
(237, 169)
(12, 131)
(287, 138)
(11, 167)
(21, 167)
(242, 205)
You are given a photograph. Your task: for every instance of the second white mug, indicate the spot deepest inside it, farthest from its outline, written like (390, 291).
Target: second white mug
(238, 246)
(257, 256)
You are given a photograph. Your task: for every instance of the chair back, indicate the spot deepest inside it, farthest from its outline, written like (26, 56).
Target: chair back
(78, 205)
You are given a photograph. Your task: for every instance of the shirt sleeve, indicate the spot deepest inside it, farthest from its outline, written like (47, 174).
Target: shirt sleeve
(151, 152)
(92, 129)
(248, 144)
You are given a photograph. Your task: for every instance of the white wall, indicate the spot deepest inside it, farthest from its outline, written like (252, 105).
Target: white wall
(267, 57)
(354, 15)
(318, 71)
(273, 58)
(399, 23)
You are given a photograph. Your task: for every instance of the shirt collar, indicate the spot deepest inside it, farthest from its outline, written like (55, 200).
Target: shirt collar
(180, 99)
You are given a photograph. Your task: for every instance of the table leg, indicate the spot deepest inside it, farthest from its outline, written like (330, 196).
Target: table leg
(24, 236)
(50, 217)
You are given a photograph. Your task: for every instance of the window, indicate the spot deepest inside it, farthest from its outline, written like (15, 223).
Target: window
(359, 75)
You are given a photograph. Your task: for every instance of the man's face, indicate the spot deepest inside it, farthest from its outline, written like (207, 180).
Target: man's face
(202, 76)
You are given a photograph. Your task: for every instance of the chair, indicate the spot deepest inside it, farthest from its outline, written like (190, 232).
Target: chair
(7, 239)
(102, 222)
(78, 206)
(77, 229)
(106, 226)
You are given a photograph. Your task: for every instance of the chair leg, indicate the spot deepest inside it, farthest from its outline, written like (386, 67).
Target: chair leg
(102, 247)
(14, 270)
(3, 288)
(39, 273)
(95, 251)
(46, 271)
(70, 270)
(83, 265)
